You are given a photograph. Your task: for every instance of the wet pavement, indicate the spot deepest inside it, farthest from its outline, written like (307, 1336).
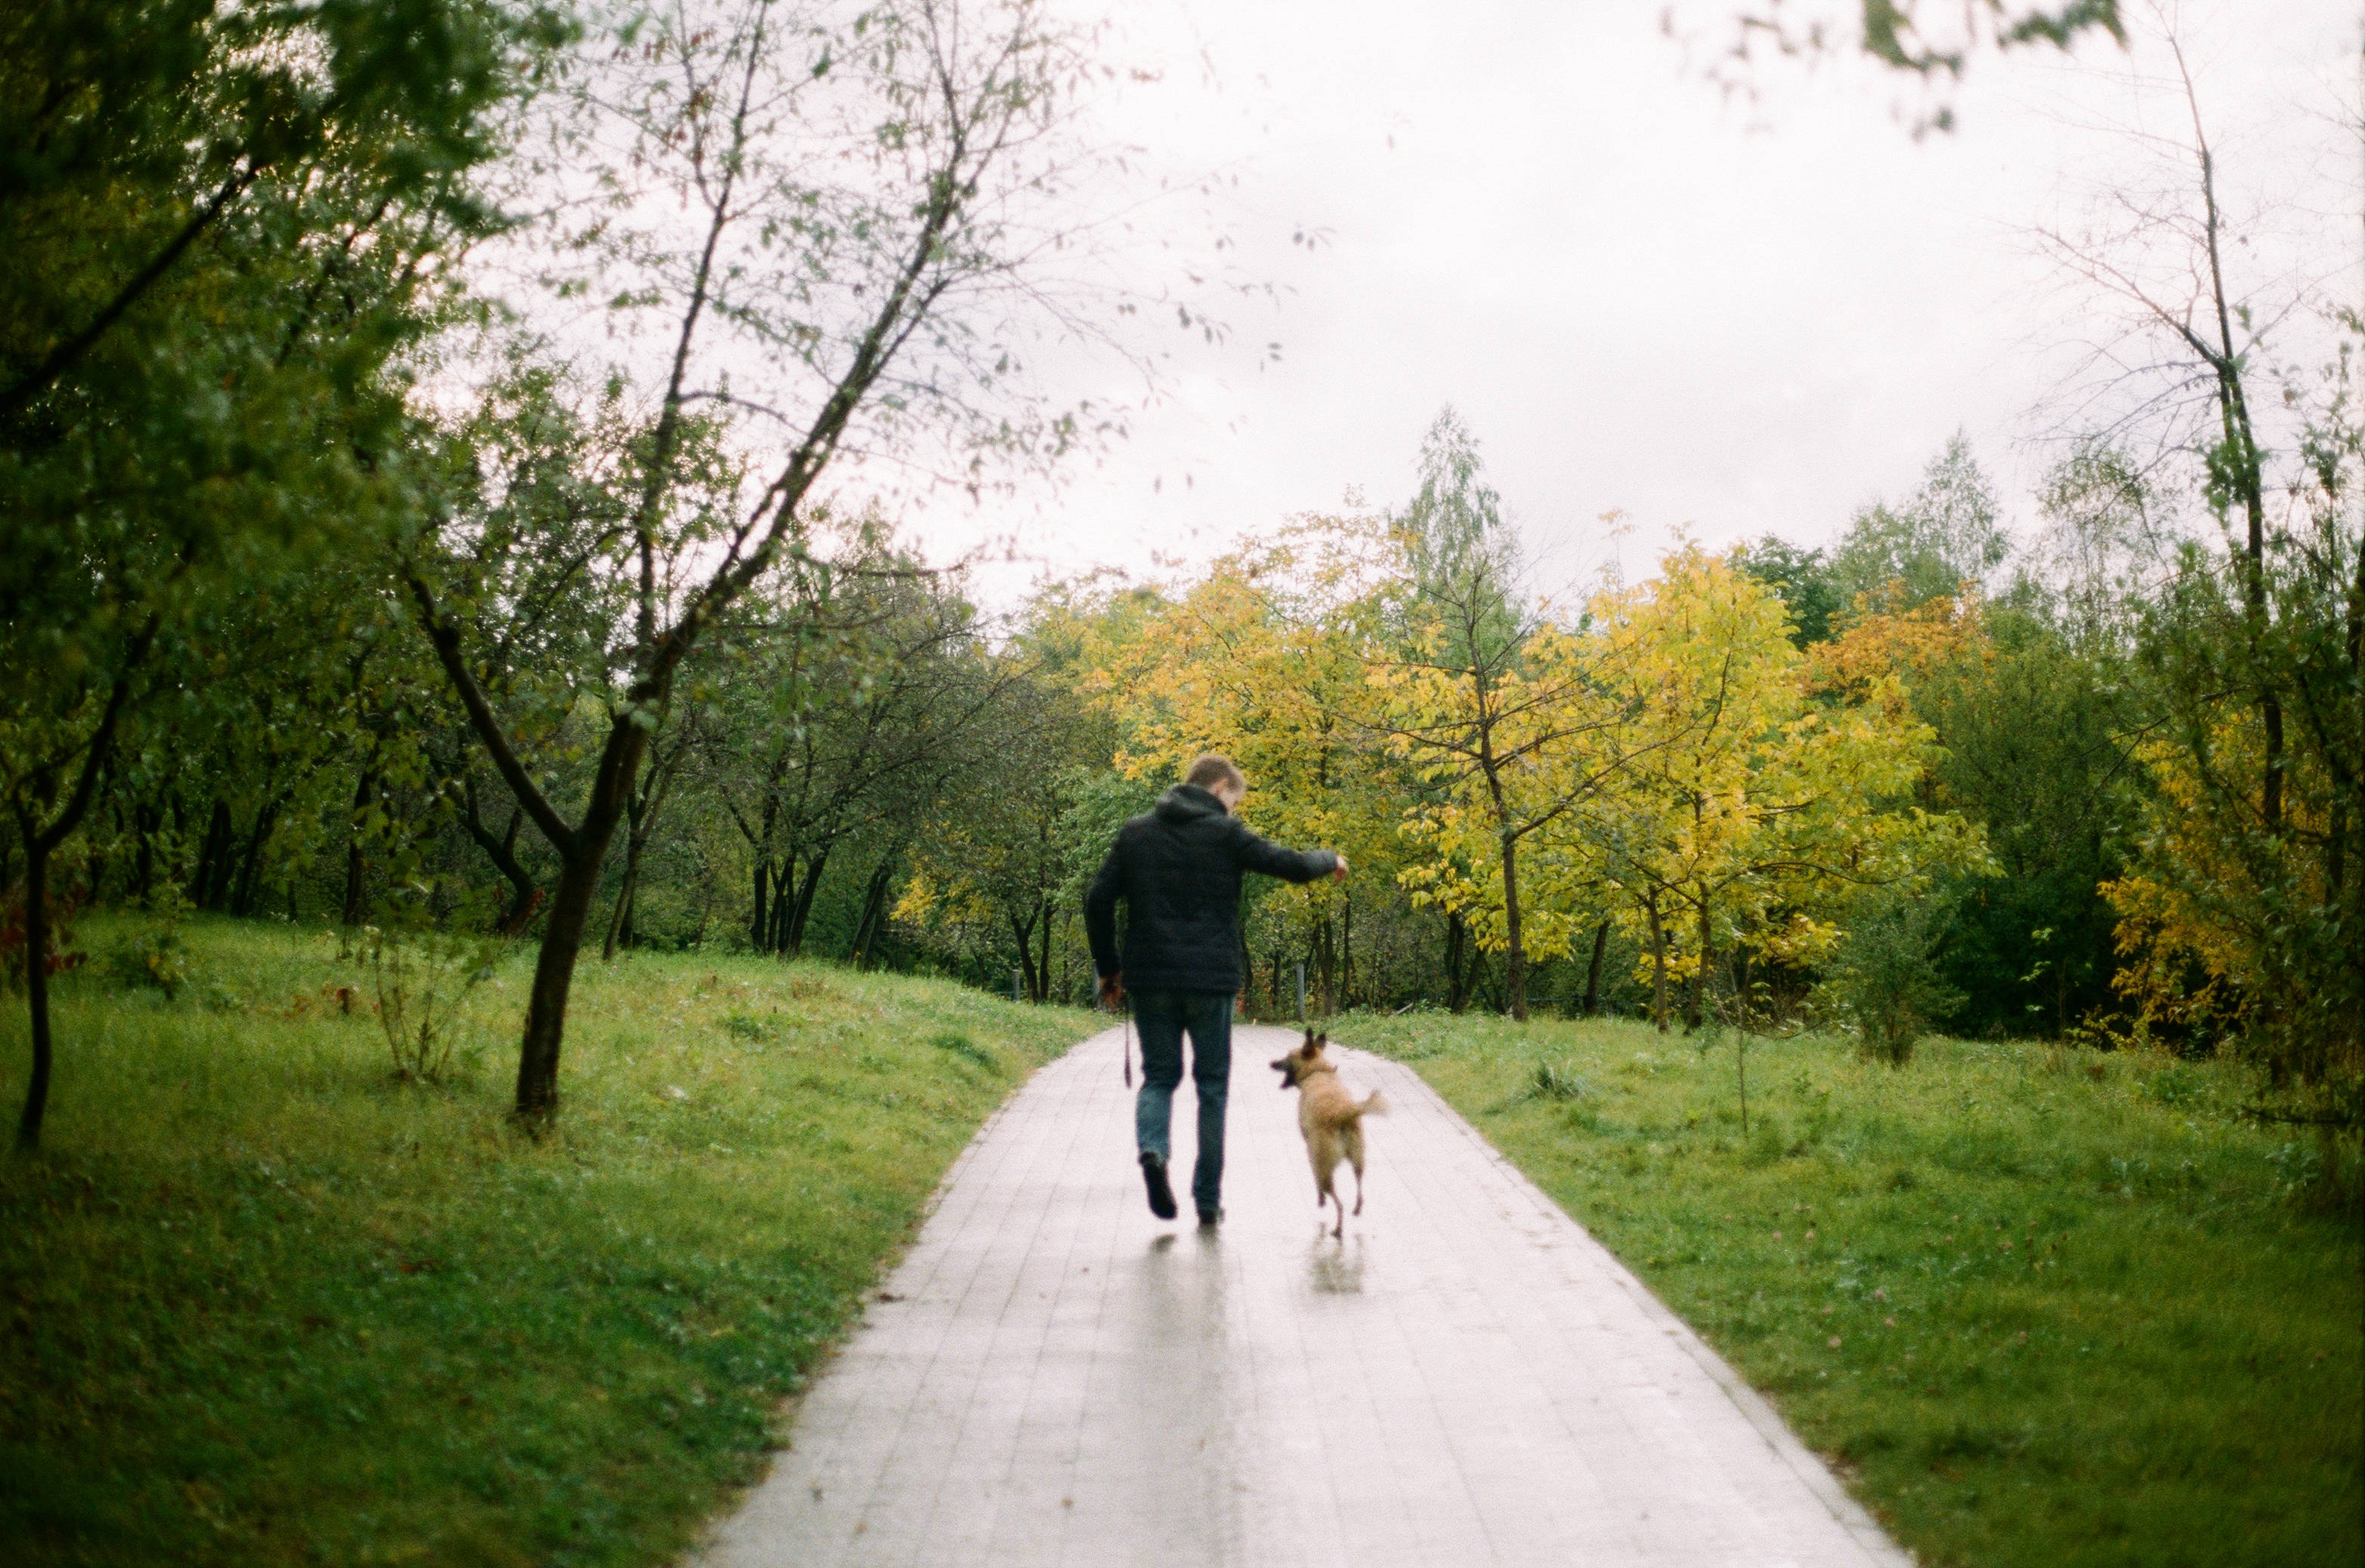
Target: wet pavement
(1054, 1377)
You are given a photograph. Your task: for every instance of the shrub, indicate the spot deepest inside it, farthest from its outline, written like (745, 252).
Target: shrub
(156, 957)
(424, 977)
(1885, 980)
(1554, 1082)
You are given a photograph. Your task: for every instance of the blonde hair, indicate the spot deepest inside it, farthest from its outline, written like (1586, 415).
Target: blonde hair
(1213, 768)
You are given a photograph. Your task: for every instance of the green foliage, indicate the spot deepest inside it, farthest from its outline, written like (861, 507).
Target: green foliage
(1884, 981)
(259, 1305)
(1945, 535)
(1804, 580)
(2043, 1308)
(2242, 901)
(424, 976)
(2036, 735)
(1555, 1080)
(151, 955)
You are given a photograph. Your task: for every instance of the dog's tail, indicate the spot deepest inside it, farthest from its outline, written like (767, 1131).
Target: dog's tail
(1373, 1105)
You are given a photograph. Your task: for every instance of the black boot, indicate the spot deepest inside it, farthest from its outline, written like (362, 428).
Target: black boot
(1161, 1196)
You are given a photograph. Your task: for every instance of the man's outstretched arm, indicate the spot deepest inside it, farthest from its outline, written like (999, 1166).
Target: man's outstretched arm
(1290, 865)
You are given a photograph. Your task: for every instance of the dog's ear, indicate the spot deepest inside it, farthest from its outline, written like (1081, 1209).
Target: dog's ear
(1321, 1040)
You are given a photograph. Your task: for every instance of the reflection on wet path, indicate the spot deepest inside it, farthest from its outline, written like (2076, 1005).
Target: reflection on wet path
(1053, 1377)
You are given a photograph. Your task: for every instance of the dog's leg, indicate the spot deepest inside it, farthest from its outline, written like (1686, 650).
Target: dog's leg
(1326, 1175)
(1354, 1142)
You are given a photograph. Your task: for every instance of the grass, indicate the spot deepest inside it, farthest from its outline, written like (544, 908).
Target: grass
(2039, 1307)
(261, 1304)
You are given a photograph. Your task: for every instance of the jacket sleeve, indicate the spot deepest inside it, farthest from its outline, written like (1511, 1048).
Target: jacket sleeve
(1257, 853)
(1100, 910)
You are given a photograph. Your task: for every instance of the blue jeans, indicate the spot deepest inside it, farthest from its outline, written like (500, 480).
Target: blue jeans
(1164, 1017)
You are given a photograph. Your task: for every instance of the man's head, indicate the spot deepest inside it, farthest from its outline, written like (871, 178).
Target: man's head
(1217, 775)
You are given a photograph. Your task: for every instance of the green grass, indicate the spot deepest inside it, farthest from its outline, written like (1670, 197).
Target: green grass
(261, 1304)
(2039, 1307)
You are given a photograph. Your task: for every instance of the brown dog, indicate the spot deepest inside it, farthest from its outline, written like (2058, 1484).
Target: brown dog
(1331, 1119)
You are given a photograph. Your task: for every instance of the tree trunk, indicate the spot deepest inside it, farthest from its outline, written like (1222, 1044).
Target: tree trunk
(636, 838)
(242, 902)
(1693, 1003)
(758, 926)
(1043, 992)
(148, 821)
(776, 935)
(554, 976)
(356, 864)
(1452, 962)
(1034, 957)
(1593, 971)
(1515, 953)
(213, 868)
(874, 908)
(2250, 484)
(794, 942)
(1325, 967)
(620, 921)
(36, 981)
(39, 843)
(1347, 951)
(1658, 964)
(571, 913)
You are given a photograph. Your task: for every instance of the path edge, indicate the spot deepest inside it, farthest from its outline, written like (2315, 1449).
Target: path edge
(1809, 1467)
(781, 1425)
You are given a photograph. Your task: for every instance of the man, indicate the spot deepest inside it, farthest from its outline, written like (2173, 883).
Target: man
(1178, 869)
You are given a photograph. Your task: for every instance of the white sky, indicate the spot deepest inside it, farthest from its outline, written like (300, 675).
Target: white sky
(1711, 315)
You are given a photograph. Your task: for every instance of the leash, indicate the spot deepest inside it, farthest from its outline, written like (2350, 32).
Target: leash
(1128, 1047)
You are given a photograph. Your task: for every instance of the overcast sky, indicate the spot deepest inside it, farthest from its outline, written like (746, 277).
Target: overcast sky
(1711, 314)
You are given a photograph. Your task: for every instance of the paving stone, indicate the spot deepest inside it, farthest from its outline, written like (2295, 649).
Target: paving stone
(1053, 1377)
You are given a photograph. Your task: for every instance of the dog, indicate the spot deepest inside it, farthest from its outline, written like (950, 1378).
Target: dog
(1330, 1119)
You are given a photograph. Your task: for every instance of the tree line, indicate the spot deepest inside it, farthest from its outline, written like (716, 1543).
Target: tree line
(341, 587)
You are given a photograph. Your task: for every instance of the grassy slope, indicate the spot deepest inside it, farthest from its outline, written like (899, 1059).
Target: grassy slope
(2038, 1317)
(259, 1304)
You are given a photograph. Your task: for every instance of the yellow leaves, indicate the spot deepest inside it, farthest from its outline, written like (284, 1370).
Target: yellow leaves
(2185, 958)
(1881, 654)
(1737, 791)
(1673, 749)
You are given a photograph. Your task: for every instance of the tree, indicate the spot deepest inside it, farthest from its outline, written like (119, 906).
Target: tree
(1943, 537)
(1931, 42)
(1884, 981)
(2036, 751)
(813, 231)
(2162, 257)
(844, 715)
(1264, 660)
(2266, 913)
(1479, 692)
(1757, 802)
(1804, 580)
(993, 867)
(218, 224)
(2243, 873)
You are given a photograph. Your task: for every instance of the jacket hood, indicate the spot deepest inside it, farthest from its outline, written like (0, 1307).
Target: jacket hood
(1186, 802)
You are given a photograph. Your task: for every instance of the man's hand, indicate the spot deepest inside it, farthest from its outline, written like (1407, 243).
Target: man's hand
(1113, 991)
(1338, 871)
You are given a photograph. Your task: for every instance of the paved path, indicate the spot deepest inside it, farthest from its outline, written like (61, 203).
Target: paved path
(1053, 1377)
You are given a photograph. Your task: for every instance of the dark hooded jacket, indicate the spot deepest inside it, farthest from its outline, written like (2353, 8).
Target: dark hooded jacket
(1178, 868)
